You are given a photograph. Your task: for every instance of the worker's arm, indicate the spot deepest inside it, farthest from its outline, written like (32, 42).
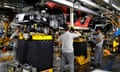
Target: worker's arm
(76, 34)
(59, 41)
(12, 36)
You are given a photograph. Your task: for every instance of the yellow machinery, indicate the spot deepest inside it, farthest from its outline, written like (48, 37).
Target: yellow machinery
(82, 59)
(5, 42)
(115, 45)
(5, 25)
(38, 37)
(41, 37)
(48, 70)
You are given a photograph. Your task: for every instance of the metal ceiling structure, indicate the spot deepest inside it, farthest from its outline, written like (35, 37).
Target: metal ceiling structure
(110, 4)
(13, 2)
(91, 5)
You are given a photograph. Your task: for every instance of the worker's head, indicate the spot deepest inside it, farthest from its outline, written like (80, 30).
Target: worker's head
(18, 28)
(66, 28)
(98, 30)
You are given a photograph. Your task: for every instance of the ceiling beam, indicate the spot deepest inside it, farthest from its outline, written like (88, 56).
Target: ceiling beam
(77, 7)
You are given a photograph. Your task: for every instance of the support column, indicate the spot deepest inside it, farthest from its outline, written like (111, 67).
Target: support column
(72, 16)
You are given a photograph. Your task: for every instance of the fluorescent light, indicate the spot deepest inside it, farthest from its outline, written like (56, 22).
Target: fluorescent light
(98, 70)
(88, 2)
(64, 2)
(118, 8)
(9, 7)
(107, 1)
(83, 28)
(94, 4)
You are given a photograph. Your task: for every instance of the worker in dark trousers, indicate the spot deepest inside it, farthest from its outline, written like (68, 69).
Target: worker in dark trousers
(14, 38)
(98, 49)
(15, 35)
(67, 57)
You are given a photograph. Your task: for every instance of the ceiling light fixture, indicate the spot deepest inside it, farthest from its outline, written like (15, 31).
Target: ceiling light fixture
(94, 5)
(106, 1)
(6, 6)
(116, 7)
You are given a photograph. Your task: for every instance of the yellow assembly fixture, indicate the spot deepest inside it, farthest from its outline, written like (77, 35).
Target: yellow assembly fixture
(6, 25)
(21, 36)
(48, 70)
(115, 44)
(39, 36)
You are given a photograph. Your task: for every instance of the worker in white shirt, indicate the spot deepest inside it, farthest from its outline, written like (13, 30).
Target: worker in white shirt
(67, 57)
(99, 47)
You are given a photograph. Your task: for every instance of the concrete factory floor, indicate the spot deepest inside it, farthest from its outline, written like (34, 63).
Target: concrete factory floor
(110, 64)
